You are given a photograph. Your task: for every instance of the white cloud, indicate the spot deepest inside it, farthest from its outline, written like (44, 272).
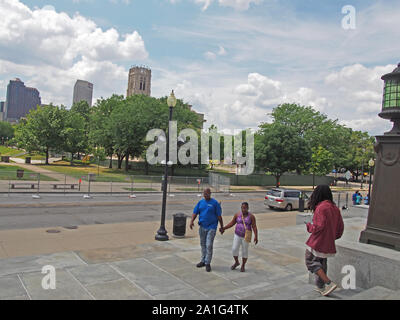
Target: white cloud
(213, 55)
(50, 50)
(355, 92)
(43, 35)
(238, 4)
(210, 55)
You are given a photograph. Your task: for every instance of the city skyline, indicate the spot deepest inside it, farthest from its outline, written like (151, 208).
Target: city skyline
(232, 60)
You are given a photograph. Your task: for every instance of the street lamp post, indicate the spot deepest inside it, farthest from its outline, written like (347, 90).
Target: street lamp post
(162, 232)
(362, 170)
(371, 164)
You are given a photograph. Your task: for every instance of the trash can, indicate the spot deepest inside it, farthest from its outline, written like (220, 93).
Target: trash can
(20, 173)
(301, 205)
(179, 225)
(28, 160)
(5, 159)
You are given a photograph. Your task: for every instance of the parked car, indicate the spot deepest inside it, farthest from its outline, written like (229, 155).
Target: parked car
(286, 199)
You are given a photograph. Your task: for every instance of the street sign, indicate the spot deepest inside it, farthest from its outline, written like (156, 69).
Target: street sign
(348, 175)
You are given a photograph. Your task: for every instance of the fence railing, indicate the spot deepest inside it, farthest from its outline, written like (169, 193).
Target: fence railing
(59, 183)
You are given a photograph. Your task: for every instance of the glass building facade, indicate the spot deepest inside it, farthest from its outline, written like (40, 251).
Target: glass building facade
(20, 100)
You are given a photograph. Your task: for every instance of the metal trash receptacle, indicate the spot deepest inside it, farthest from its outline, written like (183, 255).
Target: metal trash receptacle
(20, 173)
(28, 160)
(301, 205)
(179, 225)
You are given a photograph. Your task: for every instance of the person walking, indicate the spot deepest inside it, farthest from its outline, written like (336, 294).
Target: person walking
(210, 213)
(327, 227)
(366, 200)
(354, 198)
(359, 198)
(245, 222)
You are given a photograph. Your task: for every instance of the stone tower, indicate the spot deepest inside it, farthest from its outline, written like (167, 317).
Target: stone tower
(139, 81)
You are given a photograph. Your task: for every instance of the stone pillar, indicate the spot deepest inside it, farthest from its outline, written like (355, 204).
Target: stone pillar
(383, 226)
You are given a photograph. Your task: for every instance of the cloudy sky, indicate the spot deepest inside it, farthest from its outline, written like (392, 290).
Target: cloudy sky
(234, 60)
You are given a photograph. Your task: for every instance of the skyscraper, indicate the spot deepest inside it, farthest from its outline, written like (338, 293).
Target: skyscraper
(139, 81)
(2, 103)
(83, 90)
(20, 100)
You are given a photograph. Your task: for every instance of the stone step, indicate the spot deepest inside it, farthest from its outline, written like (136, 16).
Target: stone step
(393, 296)
(375, 293)
(342, 294)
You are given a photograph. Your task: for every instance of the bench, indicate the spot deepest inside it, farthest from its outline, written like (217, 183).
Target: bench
(26, 185)
(65, 186)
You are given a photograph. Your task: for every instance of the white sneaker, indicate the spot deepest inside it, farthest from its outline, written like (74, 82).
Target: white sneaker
(329, 288)
(319, 290)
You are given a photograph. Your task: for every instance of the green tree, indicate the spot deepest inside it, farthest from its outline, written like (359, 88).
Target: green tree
(74, 133)
(6, 132)
(83, 108)
(361, 149)
(345, 145)
(321, 161)
(131, 121)
(42, 130)
(278, 149)
(101, 132)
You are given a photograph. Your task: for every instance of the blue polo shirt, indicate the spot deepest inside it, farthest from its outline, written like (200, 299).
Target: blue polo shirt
(208, 212)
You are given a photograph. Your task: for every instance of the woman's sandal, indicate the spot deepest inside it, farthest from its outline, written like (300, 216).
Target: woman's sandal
(235, 266)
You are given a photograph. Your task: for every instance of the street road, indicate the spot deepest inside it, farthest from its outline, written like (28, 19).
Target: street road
(21, 211)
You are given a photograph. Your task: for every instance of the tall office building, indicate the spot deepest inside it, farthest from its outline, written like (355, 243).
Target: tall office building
(20, 100)
(2, 103)
(139, 81)
(83, 90)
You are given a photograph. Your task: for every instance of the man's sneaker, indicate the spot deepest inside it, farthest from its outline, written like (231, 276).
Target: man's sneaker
(329, 288)
(200, 265)
(319, 290)
(208, 268)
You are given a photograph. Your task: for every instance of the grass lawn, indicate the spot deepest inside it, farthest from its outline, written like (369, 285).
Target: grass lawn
(10, 173)
(188, 189)
(34, 156)
(105, 174)
(140, 189)
(5, 151)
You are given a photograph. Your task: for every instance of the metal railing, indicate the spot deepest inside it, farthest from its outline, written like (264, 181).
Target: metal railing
(58, 183)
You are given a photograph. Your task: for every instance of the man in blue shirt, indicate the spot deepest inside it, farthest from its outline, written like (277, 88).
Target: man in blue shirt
(209, 212)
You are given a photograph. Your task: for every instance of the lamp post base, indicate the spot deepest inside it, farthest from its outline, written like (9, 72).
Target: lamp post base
(162, 235)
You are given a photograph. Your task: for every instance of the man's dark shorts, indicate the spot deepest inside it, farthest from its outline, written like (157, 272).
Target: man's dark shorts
(314, 263)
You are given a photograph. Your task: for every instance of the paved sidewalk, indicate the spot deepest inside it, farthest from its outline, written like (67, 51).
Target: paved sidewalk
(28, 242)
(122, 261)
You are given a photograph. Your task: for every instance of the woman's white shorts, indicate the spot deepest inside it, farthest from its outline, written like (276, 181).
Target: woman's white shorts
(237, 242)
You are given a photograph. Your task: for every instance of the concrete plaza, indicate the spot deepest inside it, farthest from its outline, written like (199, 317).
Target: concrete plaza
(122, 261)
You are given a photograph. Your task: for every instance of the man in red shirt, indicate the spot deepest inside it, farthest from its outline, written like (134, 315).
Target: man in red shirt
(327, 227)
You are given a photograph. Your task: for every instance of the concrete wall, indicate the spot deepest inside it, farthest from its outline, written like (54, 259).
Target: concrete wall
(374, 266)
